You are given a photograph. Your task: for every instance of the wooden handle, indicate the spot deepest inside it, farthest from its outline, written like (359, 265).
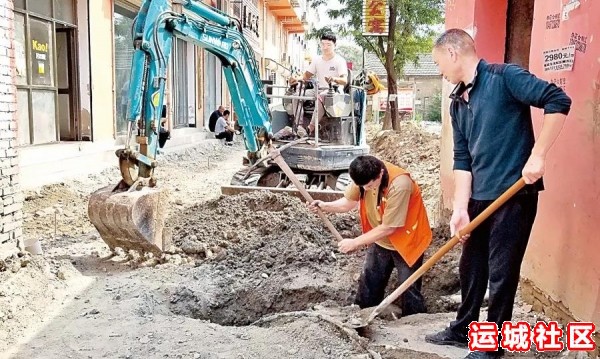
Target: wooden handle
(447, 247)
(287, 170)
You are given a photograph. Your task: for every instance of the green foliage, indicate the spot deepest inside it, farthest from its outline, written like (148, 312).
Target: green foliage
(433, 112)
(413, 28)
(350, 53)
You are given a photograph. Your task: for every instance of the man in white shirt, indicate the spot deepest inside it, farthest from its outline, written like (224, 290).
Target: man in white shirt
(223, 129)
(328, 68)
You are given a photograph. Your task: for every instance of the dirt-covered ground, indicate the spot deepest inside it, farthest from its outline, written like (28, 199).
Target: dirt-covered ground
(248, 276)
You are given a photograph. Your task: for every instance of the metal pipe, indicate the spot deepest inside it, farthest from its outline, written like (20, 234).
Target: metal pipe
(207, 13)
(291, 97)
(276, 86)
(317, 106)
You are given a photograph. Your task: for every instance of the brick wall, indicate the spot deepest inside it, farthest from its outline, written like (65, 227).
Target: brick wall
(11, 196)
(554, 310)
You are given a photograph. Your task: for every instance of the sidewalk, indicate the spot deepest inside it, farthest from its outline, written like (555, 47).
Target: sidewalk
(52, 163)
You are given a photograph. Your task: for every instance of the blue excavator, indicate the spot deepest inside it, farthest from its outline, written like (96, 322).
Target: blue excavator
(131, 215)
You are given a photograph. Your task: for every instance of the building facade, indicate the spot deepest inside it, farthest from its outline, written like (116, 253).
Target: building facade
(73, 62)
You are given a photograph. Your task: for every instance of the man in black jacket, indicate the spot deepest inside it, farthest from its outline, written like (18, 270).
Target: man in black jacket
(212, 120)
(494, 146)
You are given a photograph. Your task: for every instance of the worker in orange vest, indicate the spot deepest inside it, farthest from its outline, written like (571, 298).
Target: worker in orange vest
(395, 229)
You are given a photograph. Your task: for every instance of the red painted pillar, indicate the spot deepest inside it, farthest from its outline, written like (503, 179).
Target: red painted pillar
(485, 20)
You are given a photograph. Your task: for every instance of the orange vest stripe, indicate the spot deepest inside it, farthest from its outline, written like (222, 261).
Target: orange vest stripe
(412, 240)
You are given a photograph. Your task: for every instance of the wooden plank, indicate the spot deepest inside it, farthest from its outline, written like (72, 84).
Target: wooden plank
(327, 196)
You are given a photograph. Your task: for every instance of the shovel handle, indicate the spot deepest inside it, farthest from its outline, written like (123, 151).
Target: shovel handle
(448, 246)
(288, 171)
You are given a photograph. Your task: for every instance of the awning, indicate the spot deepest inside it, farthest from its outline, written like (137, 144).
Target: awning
(284, 11)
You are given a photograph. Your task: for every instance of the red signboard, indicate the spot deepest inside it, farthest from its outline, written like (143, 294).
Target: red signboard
(375, 17)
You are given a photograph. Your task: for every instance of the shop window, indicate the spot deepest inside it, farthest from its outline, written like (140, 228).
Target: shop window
(44, 113)
(45, 51)
(42, 7)
(63, 10)
(179, 85)
(123, 20)
(41, 52)
(20, 53)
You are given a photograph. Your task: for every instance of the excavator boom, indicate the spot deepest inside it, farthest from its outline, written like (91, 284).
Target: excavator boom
(131, 215)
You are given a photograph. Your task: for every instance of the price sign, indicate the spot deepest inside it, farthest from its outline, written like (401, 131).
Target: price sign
(561, 59)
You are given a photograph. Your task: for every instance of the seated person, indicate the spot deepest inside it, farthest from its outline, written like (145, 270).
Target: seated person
(212, 120)
(223, 129)
(328, 68)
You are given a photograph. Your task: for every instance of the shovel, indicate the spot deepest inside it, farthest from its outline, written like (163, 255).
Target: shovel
(367, 315)
(277, 158)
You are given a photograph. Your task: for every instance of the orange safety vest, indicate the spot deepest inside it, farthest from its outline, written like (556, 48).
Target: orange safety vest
(412, 240)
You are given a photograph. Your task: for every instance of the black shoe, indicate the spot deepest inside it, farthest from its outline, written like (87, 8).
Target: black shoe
(484, 355)
(447, 337)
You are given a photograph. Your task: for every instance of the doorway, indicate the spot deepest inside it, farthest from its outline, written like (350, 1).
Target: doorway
(519, 21)
(66, 71)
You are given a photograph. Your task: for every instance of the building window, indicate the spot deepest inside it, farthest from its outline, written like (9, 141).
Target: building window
(38, 23)
(41, 60)
(123, 20)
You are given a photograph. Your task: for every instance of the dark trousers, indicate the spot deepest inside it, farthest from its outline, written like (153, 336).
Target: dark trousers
(162, 138)
(227, 135)
(378, 267)
(494, 252)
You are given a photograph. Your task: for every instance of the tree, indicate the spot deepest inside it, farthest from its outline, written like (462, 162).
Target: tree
(434, 108)
(351, 54)
(409, 33)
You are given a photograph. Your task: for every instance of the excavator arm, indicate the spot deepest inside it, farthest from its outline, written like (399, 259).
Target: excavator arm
(132, 214)
(154, 29)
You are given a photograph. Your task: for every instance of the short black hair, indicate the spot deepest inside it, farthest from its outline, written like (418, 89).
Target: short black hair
(364, 169)
(329, 36)
(226, 112)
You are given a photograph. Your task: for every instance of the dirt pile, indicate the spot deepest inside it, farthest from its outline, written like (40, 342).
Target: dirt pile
(416, 150)
(271, 253)
(259, 231)
(55, 210)
(28, 286)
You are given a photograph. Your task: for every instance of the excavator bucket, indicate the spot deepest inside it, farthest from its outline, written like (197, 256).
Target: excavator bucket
(131, 220)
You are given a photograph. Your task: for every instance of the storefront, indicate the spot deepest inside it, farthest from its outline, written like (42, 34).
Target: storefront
(180, 91)
(46, 71)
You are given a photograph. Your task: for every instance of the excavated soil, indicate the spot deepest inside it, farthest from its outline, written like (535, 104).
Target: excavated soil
(269, 251)
(417, 151)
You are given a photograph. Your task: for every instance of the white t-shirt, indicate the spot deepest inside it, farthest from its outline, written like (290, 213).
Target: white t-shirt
(221, 125)
(335, 67)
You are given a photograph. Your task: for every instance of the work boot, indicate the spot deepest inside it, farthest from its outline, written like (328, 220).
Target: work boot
(447, 337)
(484, 355)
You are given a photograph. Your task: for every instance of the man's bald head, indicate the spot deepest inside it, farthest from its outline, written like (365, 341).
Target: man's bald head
(458, 39)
